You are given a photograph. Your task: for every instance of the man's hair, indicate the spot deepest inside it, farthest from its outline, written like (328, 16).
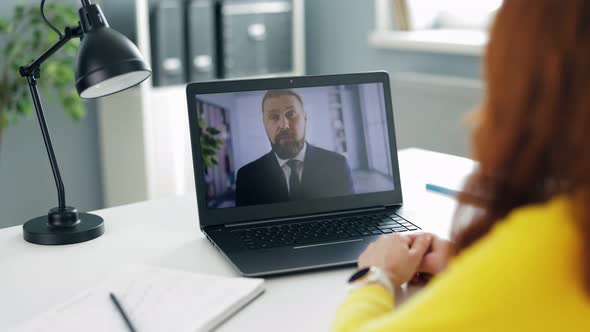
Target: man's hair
(279, 93)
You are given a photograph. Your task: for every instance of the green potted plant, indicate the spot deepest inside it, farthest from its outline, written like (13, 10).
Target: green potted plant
(210, 144)
(23, 36)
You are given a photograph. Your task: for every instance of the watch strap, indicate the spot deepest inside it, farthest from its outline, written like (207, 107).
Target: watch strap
(370, 275)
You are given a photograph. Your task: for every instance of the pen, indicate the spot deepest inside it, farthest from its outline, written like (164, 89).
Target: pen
(442, 190)
(122, 312)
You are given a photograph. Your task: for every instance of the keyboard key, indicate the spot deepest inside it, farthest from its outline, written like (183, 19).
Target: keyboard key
(388, 224)
(376, 232)
(382, 227)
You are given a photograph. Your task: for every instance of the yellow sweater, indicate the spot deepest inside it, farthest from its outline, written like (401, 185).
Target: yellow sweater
(525, 275)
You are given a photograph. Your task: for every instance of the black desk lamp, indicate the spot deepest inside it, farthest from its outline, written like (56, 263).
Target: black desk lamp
(107, 63)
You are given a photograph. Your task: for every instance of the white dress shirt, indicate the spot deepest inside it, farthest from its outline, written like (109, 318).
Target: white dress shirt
(287, 170)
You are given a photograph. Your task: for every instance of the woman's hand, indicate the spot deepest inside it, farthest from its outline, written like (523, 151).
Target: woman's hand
(398, 256)
(437, 256)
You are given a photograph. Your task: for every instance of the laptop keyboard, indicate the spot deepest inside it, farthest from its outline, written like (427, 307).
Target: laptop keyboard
(326, 230)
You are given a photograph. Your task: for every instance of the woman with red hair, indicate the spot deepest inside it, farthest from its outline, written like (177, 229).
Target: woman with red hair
(522, 261)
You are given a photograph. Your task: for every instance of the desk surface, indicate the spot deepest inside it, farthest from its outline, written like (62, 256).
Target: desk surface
(165, 233)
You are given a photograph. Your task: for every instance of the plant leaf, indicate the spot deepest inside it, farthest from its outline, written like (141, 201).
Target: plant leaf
(209, 140)
(9, 47)
(4, 25)
(4, 120)
(24, 107)
(19, 11)
(74, 105)
(213, 131)
(207, 151)
(36, 42)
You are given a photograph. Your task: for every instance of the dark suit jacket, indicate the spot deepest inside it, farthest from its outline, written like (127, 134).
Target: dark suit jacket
(325, 174)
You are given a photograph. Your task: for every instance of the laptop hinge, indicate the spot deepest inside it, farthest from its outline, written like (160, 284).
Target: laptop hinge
(339, 213)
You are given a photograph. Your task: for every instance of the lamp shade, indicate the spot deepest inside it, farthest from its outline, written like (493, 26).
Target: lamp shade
(107, 61)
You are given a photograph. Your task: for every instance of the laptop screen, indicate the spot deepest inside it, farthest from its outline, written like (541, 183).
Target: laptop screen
(301, 144)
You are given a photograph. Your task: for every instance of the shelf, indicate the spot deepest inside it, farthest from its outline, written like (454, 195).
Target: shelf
(464, 42)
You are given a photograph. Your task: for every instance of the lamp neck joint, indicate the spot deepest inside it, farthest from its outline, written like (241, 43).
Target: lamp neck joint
(92, 18)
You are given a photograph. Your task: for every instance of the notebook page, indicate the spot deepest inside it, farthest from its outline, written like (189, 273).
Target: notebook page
(155, 299)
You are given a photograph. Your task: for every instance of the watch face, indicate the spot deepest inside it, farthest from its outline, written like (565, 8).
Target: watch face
(359, 274)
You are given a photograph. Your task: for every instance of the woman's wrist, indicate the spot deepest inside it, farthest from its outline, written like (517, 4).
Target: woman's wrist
(371, 275)
(394, 279)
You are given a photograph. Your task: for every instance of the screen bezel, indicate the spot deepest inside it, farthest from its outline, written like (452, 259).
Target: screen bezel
(224, 216)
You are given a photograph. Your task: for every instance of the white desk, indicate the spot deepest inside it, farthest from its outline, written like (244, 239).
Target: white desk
(34, 278)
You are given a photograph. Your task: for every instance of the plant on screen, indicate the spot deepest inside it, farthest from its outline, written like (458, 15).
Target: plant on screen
(210, 144)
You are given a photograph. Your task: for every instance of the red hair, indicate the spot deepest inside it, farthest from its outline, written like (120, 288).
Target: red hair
(532, 140)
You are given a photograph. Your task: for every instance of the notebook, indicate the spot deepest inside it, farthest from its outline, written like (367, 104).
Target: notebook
(155, 299)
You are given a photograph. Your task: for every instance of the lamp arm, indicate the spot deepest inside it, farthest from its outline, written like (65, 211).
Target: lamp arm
(31, 72)
(33, 68)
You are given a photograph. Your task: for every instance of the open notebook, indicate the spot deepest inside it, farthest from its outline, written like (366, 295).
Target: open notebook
(156, 299)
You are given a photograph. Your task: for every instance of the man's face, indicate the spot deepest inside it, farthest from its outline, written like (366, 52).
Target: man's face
(284, 122)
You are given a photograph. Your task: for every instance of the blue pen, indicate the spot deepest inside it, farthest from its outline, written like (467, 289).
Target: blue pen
(442, 190)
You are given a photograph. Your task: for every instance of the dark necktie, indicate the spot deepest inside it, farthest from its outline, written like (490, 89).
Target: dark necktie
(294, 183)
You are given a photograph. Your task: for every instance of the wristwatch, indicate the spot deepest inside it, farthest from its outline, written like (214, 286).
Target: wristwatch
(370, 275)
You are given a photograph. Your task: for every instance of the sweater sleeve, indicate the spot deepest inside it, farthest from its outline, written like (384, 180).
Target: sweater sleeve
(487, 286)
(363, 305)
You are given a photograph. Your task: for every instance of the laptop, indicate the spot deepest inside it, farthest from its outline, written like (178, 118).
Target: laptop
(295, 173)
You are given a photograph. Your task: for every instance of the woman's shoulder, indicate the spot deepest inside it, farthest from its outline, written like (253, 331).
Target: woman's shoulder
(537, 224)
(559, 206)
(538, 241)
(532, 258)
(541, 222)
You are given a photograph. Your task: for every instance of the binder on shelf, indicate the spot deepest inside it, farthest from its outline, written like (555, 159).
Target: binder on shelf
(200, 41)
(167, 38)
(257, 38)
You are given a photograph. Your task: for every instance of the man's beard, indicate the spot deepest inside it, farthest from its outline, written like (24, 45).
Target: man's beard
(286, 146)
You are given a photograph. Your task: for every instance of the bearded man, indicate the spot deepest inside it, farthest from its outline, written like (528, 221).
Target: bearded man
(293, 169)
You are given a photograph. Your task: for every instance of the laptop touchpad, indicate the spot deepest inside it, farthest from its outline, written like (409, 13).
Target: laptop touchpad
(303, 257)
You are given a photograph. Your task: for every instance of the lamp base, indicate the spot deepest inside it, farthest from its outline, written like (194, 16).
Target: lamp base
(39, 231)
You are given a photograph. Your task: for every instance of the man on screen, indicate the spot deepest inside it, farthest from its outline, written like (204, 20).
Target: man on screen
(293, 169)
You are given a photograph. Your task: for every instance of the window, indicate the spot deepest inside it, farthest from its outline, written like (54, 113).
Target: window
(450, 26)
(447, 14)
